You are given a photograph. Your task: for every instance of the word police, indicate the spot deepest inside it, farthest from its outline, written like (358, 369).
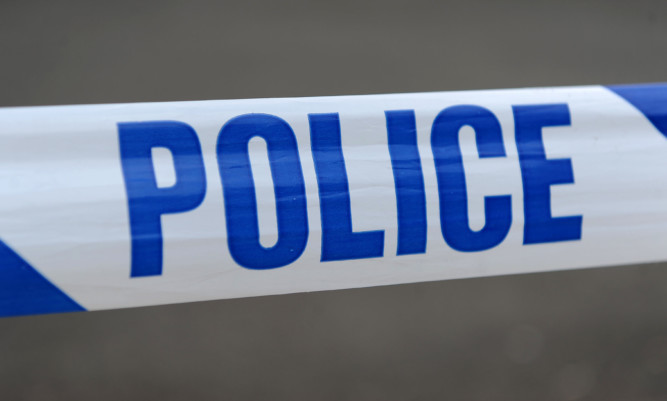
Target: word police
(148, 202)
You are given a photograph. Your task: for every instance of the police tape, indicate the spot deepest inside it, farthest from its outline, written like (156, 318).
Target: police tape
(113, 206)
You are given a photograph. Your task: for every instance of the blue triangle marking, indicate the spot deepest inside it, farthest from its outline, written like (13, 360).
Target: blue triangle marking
(24, 291)
(650, 99)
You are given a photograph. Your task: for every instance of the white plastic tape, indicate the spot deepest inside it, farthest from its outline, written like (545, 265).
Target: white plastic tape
(113, 206)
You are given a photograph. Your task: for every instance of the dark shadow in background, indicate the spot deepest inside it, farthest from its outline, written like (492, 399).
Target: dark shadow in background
(580, 335)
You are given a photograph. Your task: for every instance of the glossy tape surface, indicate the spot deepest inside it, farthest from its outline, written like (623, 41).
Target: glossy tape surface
(113, 206)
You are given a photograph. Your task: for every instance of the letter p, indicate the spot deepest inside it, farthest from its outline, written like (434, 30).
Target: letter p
(146, 201)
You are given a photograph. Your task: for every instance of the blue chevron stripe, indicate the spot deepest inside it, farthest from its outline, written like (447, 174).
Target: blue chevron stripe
(650, 99)
(24, 291)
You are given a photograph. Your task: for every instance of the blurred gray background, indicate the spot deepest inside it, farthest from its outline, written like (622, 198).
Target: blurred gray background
(596, 334)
